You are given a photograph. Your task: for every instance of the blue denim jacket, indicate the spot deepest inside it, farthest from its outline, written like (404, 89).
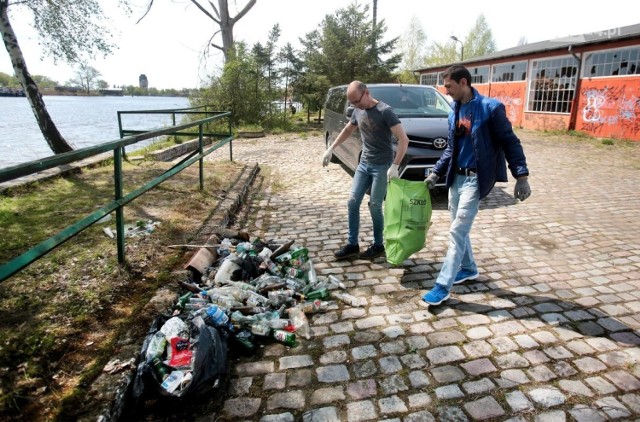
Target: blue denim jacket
(493, 141)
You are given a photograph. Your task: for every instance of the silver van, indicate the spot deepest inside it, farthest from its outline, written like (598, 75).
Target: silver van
(422, 110)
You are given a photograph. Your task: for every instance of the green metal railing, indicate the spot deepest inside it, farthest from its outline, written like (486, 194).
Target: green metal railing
(129, 137)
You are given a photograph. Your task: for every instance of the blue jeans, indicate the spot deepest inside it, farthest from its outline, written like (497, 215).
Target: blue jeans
(464, 201)
(374, 177)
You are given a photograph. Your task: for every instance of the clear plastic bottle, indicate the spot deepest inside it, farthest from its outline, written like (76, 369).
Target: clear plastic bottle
(300, 322)
(261, 328)
(347, 298)
(336, 282)
(213, 315)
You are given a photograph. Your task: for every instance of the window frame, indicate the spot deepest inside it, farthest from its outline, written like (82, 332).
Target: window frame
(554, 100)
(511, 64)
(598, 58)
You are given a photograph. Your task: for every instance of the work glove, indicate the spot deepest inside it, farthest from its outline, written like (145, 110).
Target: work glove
(431, 180)
(327, 157)
(393, 172)
(522, 190)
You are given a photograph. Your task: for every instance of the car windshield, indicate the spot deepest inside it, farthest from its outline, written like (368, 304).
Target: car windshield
(412, 101)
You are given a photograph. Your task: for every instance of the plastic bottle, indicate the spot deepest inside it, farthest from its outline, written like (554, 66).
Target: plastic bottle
(182, 301)
(288, 339)
(314, 306)
(294, 283)
(347, 298)
(318, 294)
(260, 328)
(271, 266)
(312, 276)
(300, 322)
(334, 280)
(213, 315)
(245, 339)
(281, 324)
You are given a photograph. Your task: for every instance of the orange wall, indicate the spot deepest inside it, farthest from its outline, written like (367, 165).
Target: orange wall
(545, 121)
(512, 95)
(610, 108)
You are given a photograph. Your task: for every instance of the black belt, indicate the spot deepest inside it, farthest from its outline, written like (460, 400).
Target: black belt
(466, 172)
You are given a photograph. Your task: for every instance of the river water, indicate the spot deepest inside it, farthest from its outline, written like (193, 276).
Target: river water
(82, 121)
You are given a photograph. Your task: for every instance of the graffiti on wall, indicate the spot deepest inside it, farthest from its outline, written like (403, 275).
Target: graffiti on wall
(610, 110)
(512, 102)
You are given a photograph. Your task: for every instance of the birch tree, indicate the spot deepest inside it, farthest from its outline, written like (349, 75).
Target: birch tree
(67, 29)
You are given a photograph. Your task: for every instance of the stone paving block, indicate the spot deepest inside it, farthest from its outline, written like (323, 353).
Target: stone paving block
(478, 348)
(484, 408)
(632, 401)
(558, 352)
(541, 373)
(536, 357)
(275, 381)
(413, 361)
(451, 391)
(575, 387)
(393, 404)
(364, 369)
(580, 347)
(288, 400)
(289, 362)
(602, 344)
(327, 395)
(332, 373)
(518, 401)
(478, 367)
(390, 364)
(364, 352)
(613, 408)
(418, 379)
(362, 389)
(512, 378)
(255, 368)
(280, 417)
(417, 342)
(393, 332)
(483, 385)
(300, 378)
(334, 356)
(361, 411)
(440, 355)
(392, 384)
(477, 333)
(374, 321)
(589, 365)
(446, 337)
(335, 341)
(241, 407)
(551, 416)
(323, 414)
(240, 386)
(421, 328)
(547, 397)
(584, 413)
(423, 416)
(447, 374)
(525, 341)
(544, 337)
(623, 380)
(393, 347)
(342, 327)
(451, 414)
(564, 369)
(511, 360)
(419, 400)
(600, 385)
(503, 344)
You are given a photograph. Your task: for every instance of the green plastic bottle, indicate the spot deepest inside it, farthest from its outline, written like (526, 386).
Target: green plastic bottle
(160, 368)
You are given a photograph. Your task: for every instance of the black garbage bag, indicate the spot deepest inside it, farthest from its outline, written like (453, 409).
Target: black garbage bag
(210, 364)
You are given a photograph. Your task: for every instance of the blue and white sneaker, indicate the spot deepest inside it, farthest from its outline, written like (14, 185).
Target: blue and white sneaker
(464, 275)
(437, 295)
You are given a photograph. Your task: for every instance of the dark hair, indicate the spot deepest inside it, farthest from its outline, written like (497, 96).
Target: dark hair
(457, 72)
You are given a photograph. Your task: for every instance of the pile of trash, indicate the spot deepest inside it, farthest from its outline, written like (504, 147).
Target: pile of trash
(252, 292)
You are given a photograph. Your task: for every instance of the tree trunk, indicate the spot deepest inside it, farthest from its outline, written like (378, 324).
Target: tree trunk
(224, 21)
(49, 130)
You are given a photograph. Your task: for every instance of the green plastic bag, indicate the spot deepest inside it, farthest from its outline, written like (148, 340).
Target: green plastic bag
(407, 216)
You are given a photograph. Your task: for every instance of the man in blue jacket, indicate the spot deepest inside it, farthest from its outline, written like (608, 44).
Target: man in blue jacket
(480, 138)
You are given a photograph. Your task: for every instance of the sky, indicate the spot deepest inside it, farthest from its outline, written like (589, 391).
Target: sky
(167, 44)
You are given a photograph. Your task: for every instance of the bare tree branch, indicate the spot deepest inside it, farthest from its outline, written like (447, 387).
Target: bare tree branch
(146, 12)
(206, 12)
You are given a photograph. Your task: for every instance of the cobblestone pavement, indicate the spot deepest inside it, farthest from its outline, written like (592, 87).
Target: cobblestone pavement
(549, 332)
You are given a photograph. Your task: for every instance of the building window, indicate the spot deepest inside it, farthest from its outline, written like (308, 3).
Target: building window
(552, 85)
(509, 72)
(618, 62)
(429, 79)
(479, 75)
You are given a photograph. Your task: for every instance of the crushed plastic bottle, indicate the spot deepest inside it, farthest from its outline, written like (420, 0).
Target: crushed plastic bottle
(300, 322)
(347, 298)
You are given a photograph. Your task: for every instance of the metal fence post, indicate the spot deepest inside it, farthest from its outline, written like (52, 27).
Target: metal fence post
(117, 176)
(200, 151)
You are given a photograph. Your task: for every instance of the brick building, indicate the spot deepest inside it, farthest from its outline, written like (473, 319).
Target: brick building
(588, 83)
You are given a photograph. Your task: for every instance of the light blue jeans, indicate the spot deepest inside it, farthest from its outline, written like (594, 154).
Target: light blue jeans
(464, 201)
(374, 177)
